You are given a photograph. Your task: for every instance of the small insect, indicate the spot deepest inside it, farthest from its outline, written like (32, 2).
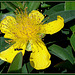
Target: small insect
(17, 49)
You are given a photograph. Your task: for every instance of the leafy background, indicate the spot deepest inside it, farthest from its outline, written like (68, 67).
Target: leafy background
(60, 45)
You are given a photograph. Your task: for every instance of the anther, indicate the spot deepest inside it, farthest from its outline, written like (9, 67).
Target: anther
(48, 18)
(45, 15)
(45, 20)
(18, 10)
(19, 7)
(43, 39)
(26, 7)
(5, 47)
(38, 9)
(41, 10)
(6, 41)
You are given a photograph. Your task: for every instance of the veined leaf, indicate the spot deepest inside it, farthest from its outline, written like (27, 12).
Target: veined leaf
(24, 69)
(56, 8)
(70, 5)
(33, 5)
(72, 28)
(67, 15)
(44, 5)
(60, 52)
(16, 64)
(72, 41)
(29, 67)
(3, 6)
(4, 45)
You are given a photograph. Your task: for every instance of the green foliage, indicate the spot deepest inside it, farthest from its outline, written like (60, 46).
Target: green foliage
(33, 5)
(69, 5)
(72, 28)
(67, 15)
(4, 45)
(16, 64)
(61, 53)
(56, 8)
(29, 67)
(44, 5)
(72, 40)
(1, 62)
(24, 69)
(3, 6)
(65, 64)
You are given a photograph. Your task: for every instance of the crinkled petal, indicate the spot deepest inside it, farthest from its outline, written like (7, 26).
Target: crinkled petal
(53, 27)
(9, 54)
(40, 57)
(38, 17)
(7, 24)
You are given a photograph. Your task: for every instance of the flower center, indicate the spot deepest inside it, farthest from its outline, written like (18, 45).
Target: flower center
(26, 27)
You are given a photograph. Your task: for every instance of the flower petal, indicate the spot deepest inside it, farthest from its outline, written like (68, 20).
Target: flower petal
(7, 23)
(40, 57)
(9, 54)
(0, 26)
(53, 27)
(37, 16)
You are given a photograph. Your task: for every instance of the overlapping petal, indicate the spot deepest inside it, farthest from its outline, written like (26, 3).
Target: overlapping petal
(9, 54)
(7, 24)
(40, 57)
(37, 16)
(53, 27)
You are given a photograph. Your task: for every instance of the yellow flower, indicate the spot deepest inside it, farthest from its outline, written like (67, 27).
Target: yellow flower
(26, 28)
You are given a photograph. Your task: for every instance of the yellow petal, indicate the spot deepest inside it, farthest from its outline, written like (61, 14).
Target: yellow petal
(40, 57)
(9, 54)
(53, 27)
(38, 17)
(0, 26)
(7, 23)
(10, 36)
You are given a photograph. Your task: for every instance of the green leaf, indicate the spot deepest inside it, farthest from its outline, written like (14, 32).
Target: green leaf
(65, 31)
(10, 6)
(33, 5)
(56, 8)
(24, 69)
(72, 28)
(3, 6)
(66, 65)
(60, 52)
(1, 61)
(44, 5)
(25, 4)
(4, 45)
(17, 63)
(69, 50)
(18, 4)
(67, 15)
(0, 16)
(29, 67)
(72, 41)
(70, 5)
